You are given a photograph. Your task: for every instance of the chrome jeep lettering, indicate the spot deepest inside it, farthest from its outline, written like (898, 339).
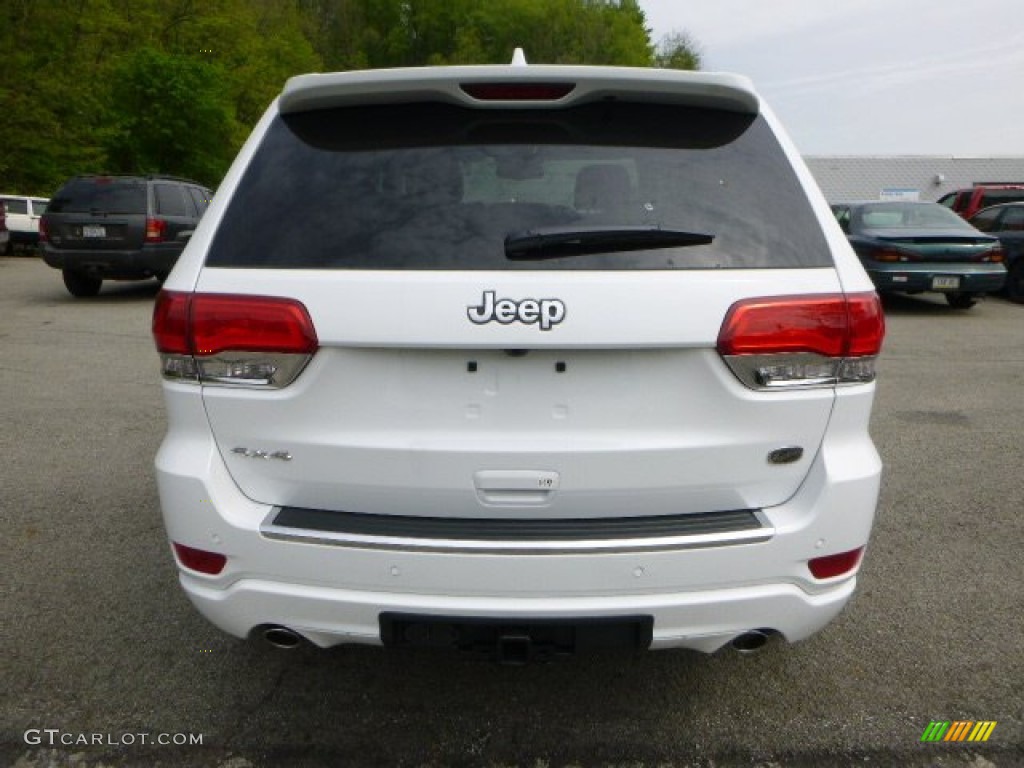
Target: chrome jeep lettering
(546, 313)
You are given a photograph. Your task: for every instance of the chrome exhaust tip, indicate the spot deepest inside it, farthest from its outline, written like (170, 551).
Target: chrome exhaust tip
(282, 637)
(751, 642)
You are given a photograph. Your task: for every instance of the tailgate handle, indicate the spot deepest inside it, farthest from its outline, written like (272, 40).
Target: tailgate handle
(515, 486)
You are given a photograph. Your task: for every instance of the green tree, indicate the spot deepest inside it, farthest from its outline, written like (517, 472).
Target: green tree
(170, 113)
(257, 46)
(53, 91)
(62, 59)
(552, 32)
(678, 50)
(357, 34)
(90, 86)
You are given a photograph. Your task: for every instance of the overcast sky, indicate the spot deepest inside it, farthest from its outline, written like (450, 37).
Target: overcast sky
(871, 77)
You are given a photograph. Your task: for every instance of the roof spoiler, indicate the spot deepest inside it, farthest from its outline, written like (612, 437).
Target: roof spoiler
(732, 93)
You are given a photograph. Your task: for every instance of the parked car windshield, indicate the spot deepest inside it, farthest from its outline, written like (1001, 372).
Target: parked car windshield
(907, 216)
(106, 195)
(430, 186)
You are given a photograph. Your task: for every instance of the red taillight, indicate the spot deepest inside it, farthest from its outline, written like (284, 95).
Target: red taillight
(259, 341)
(830, 325)
(867, 325)
(801, 341)
(156, 230)
(518, 91)
(995, 255)
(891, 255)
(170, 323)
(835, 565)
(250, 324)
(44, 234)
(200, 560)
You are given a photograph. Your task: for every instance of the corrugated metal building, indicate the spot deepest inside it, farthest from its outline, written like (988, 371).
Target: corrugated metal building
(909, 177)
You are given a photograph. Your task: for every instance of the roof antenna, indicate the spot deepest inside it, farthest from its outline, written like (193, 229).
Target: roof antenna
(519, 58)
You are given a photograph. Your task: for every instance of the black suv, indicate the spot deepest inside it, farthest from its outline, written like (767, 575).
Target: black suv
(119, 228)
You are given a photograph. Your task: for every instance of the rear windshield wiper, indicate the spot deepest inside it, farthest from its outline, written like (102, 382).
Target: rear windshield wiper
(555, 242)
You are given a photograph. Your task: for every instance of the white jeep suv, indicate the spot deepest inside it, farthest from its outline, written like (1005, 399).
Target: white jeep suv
(521, 361)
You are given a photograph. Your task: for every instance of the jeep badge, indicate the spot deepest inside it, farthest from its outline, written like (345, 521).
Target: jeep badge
(543, 312)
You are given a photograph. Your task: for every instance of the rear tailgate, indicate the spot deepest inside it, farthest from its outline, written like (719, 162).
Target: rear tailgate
(96, 232)
(98, 213)
(625, 408)
(454, 379)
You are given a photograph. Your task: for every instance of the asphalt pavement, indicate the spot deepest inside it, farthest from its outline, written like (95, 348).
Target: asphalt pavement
(104, 659)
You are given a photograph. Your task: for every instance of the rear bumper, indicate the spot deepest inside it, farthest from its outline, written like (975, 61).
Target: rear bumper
(147, 261)
(19, 237)
(702, 620)
(700, 597)
(974, 278)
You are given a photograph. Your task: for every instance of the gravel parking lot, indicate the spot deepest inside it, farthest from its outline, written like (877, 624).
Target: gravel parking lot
(104, 656)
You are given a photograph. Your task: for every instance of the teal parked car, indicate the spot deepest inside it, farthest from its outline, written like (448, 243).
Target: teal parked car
(911, 247)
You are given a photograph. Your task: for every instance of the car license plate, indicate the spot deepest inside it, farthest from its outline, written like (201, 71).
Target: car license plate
(93, 231)
(945, 283)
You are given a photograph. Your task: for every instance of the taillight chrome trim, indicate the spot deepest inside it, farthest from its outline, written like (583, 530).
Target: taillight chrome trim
(838, 347)
(195, 335)
(276, 371)
(251, 369)
(763, 372)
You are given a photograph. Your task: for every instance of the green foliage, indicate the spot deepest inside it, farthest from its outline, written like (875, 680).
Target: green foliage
(678, 51)
(52, 123)
(355, 34)
(175, 86)
(169, 111)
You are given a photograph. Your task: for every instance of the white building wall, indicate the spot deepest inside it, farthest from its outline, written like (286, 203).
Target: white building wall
(909, 177)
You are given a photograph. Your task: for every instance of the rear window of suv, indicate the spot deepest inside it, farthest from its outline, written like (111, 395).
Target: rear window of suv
(103, 195)
(169, 199)
(442, 187)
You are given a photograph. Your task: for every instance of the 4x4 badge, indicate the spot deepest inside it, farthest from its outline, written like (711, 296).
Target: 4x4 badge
(543, 312)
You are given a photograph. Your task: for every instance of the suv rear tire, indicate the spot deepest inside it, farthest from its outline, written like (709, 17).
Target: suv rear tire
(80, 284)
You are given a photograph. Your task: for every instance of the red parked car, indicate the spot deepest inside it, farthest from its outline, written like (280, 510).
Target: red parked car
(968, 202)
